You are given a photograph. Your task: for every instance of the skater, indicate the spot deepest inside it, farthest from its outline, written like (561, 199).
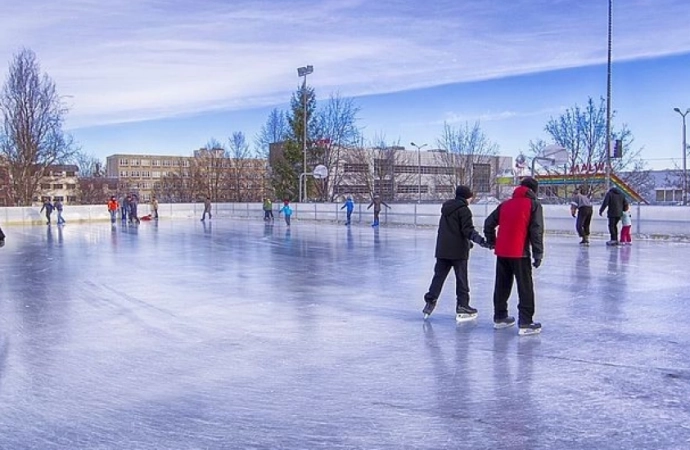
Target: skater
(268, 209)
(154, 207)
(2, 238)
(376, 203)
(124, 212)
(207, 209)
(520, 223)
(615, 202)
(58, 208)
(113, 206)
(287, 211)
(582, 206)
(48, 207)
(350, 205)
(626, 226)
(455, 231)
(133, 210)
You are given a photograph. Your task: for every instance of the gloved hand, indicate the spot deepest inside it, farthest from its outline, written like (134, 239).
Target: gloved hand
(573, 215)
(536, 263)
(483, 243)
(601, 213)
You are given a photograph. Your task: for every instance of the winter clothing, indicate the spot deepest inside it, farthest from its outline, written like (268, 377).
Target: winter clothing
(287, 211)
(113, 206)
(520, 223)
(463, 192)
(376, 203)
(582, 206)
(154, 208)
(58, 208)
(268, 209)
(207, 209)
(455, 231)
(350, 205)
(530, 183)
(48, 207)
(615, 202)
(626, 228)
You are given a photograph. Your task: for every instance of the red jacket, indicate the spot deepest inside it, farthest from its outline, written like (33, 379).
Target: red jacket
(520, 223)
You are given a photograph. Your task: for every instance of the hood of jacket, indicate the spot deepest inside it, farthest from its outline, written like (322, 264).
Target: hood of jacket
(523, 192)
(451, 206)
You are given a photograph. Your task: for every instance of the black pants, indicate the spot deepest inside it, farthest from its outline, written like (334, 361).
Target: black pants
(584, 218)
(462, 286)
(519, 269)
(613, 228)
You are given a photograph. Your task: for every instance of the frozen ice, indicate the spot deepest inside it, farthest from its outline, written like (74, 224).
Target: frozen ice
(235, 334)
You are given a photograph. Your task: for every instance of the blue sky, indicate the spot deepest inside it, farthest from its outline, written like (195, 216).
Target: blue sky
(160, 76)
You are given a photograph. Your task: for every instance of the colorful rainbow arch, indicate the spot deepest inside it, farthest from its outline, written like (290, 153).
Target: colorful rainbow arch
(598, 178)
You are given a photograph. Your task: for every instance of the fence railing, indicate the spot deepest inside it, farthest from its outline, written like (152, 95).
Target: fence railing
(647, 219)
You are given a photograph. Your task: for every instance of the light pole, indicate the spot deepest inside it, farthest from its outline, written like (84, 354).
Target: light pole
(419, 170)
(303, 72)
(685, 151)
(608, 101)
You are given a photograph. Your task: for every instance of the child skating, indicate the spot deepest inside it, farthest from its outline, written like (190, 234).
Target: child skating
(626, 225)
(453, 243)
(350, 205)
(287, 212)
(376, 203)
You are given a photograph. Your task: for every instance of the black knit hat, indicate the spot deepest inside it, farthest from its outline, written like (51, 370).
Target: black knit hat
(531, 183)
(463, 192)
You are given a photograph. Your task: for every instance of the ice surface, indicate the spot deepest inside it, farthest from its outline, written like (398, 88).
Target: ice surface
(233, 334)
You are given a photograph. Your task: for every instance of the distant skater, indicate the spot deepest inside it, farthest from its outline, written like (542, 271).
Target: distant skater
(581, 207)
(287, 211)
(48, 208)
(626, 225)
(133, 210)
(453, 243)
(614, 202)
(520, 223)
(154, 207)
(124, 206)
(207, 209)
(350, 205)
(58, 208)
(113, 206)
(376, 203)
(268, 209)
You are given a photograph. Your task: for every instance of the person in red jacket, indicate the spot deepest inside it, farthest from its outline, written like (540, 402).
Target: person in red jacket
(520, 223)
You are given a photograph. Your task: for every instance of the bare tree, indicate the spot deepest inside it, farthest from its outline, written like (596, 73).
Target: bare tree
(89, 165)
(33, 114)
(276, 129)
(582, 132)
(337, 127)
(243, 178)
(464, 149)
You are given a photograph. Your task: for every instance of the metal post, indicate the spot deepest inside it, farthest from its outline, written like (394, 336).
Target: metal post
(304, 142)
(684, 199)
(608, 102)
(419, 170)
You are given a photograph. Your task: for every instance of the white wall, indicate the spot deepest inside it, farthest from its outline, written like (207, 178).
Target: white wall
(647, 220)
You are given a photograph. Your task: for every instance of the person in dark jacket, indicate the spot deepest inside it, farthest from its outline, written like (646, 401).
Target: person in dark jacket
(376, 202)
(2, 238)
(455, 231)
(520, 223)
(615, 202)
(48, 207)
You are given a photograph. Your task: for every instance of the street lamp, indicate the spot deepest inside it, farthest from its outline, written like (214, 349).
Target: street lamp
(608, 100)
(685, 151)
(303, 72)
(419, 169)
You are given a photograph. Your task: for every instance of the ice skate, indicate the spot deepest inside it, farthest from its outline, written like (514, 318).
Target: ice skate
(429, 308)
(465, 314)
(611, 243)
(584, 242)
(529, 329)
(504, 323)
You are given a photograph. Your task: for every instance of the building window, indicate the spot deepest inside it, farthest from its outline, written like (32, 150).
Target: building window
(156, 163)
(155, 174)
(145, 174)
(481, 177)
(124, 162)
(71, 186)
(123, 173)
(411, 189)
(135, 162)
(58, 198)
(167, 163)
(145, 163)
(135, 173)
(356, 168)
(45, 186)
(72, 199)
(58, 186)
(70, 174)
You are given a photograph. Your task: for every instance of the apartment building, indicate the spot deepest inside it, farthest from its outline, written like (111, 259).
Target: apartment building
(189, 178)
(59, 182)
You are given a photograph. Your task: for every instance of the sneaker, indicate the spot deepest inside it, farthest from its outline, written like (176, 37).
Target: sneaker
(611, 243)
(429, 308)
(530, 328)
(504, 323)
(464, 313)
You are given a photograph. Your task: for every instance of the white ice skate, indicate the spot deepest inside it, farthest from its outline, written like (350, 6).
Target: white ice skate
(465, 314)
(529, 330)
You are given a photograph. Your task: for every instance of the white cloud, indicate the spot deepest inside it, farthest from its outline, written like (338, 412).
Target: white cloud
(127, 60)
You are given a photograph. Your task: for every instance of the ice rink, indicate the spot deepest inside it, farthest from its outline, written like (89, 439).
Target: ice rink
(238, 335)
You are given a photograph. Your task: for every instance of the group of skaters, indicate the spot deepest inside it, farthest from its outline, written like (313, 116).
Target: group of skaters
(129, 209)
(348, 206)
(285, 210)
(617, 210)
(49, 207)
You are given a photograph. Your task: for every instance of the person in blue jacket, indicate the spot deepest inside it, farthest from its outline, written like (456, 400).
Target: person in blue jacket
(350, 205)
(287, 211)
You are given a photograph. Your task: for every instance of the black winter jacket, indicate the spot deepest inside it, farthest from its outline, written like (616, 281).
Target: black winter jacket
(615, 201)
(455, 231)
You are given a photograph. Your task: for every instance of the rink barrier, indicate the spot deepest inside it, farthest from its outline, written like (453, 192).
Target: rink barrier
(648, 220)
